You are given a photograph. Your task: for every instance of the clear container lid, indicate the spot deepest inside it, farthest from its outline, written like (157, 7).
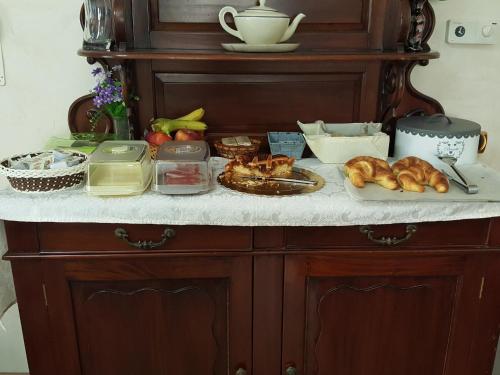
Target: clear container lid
(184, 151)
(119, 152)
(262, 11)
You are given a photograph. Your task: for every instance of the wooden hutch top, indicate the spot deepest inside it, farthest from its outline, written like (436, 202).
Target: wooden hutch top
(354, 64)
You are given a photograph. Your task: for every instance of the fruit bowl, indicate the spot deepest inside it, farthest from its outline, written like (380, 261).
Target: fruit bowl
(231, 152)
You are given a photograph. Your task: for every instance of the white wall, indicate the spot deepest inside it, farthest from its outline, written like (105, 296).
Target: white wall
(466, 79)
(44, 75)
(43, 72)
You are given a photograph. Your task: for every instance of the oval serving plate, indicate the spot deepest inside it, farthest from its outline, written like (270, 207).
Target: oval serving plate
(274, 188)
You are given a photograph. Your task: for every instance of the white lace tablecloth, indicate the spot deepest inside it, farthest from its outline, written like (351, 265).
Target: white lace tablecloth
(330, 206)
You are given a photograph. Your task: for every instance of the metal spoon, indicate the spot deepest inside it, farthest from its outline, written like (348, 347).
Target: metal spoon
(464, 183)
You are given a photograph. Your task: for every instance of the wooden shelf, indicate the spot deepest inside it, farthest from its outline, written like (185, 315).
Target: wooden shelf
(299, 56)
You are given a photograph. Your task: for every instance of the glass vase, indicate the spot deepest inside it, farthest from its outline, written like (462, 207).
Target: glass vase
(98, 31)
(121, 128)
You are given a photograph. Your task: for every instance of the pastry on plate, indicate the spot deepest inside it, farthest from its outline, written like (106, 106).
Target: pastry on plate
(414, 173)
(272, 166)
(363, 169)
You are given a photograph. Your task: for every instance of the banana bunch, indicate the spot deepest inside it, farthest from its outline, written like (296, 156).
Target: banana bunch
(191, 121)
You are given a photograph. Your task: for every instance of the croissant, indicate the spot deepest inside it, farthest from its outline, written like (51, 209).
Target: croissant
(413, 173)
(367, 169)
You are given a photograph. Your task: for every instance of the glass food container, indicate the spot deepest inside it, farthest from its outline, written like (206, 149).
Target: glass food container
(183, 168)
(119, 168)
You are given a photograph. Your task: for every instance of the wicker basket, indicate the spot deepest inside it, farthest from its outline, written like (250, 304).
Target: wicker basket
(153, 150)
(230, 152)
(43, 181)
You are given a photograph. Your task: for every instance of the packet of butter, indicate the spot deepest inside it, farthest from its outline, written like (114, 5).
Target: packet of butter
(73, 160)
(229, 141)
(243, 141)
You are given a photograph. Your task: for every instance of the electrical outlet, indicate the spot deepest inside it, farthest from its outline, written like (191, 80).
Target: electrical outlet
(471, 32)
(2, 71)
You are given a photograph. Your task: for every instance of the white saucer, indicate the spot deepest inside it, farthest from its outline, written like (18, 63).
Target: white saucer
(243, 47)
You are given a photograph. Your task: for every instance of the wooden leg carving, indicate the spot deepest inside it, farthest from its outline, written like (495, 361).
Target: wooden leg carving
(400, 97)
(422, 24)
(417, 26)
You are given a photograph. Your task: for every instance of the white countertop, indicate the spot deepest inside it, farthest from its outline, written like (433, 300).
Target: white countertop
(330, 206)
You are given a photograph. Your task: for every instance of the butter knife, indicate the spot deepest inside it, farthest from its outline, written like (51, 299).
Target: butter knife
(280, 179)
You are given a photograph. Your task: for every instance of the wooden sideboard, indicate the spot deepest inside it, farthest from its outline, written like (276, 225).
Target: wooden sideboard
(261, 301)
(273, 300)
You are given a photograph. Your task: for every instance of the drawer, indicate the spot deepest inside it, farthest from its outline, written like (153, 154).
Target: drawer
(472, 233)
(84, 238)
(495, 232)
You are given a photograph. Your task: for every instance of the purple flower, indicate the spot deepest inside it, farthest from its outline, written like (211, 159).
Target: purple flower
(108, 92)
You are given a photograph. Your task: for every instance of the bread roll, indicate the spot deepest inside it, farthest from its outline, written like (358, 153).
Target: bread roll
(414, 173)
(368, 169)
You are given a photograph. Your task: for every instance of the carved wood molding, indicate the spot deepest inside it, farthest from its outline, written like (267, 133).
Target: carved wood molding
(399, 97)
(132, 293)
(368, 289)
(421, 26)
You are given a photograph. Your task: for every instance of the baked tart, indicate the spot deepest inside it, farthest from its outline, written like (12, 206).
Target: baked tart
(272, 166)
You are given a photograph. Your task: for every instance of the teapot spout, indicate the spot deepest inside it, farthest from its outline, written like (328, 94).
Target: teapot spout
(292, 28)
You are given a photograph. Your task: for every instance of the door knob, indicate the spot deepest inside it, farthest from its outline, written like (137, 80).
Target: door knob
(291, 370)
(241, 371)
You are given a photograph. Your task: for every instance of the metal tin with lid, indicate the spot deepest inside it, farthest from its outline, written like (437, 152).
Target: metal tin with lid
(430, 137)
(119, 168)
(183, 168)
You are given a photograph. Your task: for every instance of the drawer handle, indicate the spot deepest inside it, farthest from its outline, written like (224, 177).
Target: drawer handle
(168, 233)
(241, 371)
(388, 241)
(291, 370)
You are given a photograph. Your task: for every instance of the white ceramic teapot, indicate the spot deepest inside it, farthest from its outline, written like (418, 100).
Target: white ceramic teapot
(260, 24)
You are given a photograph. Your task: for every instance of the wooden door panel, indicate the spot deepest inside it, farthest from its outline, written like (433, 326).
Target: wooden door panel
(348, 24)
(166, 326)
(351, 13)
(392, 315)
(378, 323)
(151, 316)
(249, 103)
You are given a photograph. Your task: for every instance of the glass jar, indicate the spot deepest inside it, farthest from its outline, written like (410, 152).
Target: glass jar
(121, 128)
(98, 31)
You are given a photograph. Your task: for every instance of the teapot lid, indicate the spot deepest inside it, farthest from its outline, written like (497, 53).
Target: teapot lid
(262, 10)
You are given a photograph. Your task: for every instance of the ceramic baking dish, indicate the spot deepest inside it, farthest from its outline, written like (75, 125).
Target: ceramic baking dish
(338, 143)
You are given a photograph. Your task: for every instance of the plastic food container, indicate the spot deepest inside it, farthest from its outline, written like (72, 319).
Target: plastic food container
(183, 168)
(338, 143)
(119, 168)
(285, 143)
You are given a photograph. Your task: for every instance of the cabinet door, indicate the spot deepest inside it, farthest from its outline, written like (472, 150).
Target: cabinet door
(153, 316)
(378, 315)
(485, 355)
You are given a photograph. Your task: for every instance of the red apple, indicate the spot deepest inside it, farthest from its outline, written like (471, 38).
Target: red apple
(157, 138)
(188, 135)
